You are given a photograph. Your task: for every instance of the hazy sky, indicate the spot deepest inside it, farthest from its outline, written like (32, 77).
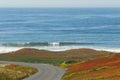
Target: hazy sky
(59, 3)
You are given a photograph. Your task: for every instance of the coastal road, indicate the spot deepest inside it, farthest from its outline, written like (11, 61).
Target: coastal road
(45, 71)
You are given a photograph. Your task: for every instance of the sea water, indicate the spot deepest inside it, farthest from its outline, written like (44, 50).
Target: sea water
(59, 28)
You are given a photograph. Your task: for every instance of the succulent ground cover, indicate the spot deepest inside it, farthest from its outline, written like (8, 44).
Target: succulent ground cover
(15, 72)
(105, 68)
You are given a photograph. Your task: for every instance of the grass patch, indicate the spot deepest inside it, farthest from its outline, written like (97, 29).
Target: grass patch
(34, 60)
(15, 72)
(30, 59)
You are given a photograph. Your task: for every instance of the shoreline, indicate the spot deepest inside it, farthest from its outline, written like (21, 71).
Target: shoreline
(59, 48)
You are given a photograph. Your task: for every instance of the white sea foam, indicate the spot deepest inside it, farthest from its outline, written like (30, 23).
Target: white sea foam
(58, 48)
(8, 49)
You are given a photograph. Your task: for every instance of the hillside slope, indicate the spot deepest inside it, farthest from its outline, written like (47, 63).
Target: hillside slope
(105, 68)
(44, 56)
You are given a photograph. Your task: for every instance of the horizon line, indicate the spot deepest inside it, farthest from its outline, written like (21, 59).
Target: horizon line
(59, 7)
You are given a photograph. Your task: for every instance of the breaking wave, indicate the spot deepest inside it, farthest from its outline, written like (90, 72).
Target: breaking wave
(33, 44)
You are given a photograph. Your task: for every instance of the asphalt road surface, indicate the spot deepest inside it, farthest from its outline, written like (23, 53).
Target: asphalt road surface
(45, 71)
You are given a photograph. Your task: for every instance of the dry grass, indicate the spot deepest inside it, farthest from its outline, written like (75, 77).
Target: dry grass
(15, 72)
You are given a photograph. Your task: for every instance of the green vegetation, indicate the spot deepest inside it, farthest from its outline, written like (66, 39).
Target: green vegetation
(38, 60)
(71, 61)
(30, 59)
(34, 60)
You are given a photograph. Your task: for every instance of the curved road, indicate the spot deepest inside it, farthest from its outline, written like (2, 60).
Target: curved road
(45, 71)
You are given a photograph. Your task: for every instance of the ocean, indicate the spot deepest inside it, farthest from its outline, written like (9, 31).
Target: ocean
(59, 28)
